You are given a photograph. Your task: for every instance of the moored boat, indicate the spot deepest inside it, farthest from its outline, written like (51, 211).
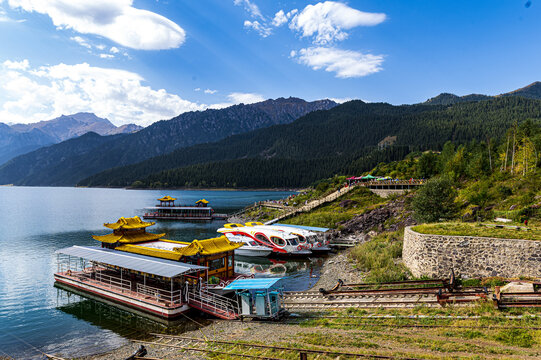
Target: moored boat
(167, 209)
(281, 243)
(250, 248)
(144, 271)
(316, 243)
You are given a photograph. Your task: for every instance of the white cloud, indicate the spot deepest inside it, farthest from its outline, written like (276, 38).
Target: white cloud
(345, 63)
(245, 98)
(29, 95)
(280, 18)
(197, 89)
(114, 50)
(79, 40)
(326, 21)
(100, 47)
(16, 65)
(5, 18)
(250, 7)
(106, 56)
(116, 20)
(209, 91)
(262, 29)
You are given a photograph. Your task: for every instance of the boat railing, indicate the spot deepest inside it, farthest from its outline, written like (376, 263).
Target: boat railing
(174, 296)
(111, 281)
(210, 300)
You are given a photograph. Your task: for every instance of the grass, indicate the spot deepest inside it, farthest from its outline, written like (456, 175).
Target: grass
(479, 230)
(331, 214)
(381, 258)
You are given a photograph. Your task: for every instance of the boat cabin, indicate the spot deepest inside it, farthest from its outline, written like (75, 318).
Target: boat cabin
(217, 255)
(168, 209)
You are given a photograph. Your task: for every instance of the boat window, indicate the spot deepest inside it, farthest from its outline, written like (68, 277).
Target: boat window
(230, 261)
(302, 239)
(253, 243)
(293, 241)
(215, 264)
(278, 241)
(262, 238)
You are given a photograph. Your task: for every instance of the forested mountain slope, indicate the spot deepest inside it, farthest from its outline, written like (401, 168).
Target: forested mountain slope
(337, 139)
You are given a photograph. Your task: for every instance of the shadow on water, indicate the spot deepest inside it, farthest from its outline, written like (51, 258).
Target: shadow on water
(122, 320)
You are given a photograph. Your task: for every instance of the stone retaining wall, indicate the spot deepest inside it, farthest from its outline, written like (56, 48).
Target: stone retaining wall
(436, 255)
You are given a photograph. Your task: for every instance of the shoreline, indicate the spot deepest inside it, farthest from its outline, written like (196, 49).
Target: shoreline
(335, 263)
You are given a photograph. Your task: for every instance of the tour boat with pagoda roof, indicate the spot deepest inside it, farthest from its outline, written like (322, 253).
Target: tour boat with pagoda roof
(167, 209)
(145, 271)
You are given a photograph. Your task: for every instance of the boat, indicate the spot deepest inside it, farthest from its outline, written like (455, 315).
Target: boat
(167, 209)
(146, 272)
(316, 243)
(250, 248)
(281, 243)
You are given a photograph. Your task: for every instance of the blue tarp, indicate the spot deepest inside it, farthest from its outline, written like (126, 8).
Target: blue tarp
(252, 284)
(310, 228)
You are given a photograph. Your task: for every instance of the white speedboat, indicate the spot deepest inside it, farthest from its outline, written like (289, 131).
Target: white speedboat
(315, 242)
(250, 248)
(281, 243)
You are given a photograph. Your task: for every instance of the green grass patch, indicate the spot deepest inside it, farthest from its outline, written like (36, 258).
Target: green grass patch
(515, 337)
(381, 258)
(479, 230)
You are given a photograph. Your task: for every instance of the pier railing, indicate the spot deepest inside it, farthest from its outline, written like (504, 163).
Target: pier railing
(174, 296)
(112, 281)
(216, 304)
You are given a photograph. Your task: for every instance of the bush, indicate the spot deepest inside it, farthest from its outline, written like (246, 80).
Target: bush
(435, 201)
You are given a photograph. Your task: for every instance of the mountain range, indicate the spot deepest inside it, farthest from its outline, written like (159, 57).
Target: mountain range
(66, 164)
(532, 91)
(342, 140)
(19, 139)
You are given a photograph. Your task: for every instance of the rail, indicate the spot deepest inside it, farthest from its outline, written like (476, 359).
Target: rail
(112, 281)
(174, 296)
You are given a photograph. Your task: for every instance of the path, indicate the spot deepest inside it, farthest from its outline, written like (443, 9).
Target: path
(312, 204)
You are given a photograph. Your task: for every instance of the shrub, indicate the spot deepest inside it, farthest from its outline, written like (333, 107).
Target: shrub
(435, 201)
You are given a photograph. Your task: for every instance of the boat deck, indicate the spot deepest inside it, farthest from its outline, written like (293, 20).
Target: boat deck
(148, 298)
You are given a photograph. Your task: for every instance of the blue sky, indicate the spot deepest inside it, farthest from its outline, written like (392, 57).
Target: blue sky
(143, 61)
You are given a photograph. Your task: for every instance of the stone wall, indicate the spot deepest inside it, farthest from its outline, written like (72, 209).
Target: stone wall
(436, 255)
(384, 193)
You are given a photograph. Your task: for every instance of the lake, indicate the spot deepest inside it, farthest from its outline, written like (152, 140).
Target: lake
(37, 221)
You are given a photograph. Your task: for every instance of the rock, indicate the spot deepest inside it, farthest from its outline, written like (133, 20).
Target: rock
(517, 287)
(347, 203)
(488, 208)
(512, 207)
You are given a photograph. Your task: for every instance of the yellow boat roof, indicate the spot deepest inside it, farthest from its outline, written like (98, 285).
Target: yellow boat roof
(202, 201)
(129, 223)
(167, 198)
(233, 225)
(197, 247)
(127, 238)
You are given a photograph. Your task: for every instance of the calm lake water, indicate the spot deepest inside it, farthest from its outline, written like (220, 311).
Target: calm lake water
(35, 222)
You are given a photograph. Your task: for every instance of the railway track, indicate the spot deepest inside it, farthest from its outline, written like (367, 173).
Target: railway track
(252, 350)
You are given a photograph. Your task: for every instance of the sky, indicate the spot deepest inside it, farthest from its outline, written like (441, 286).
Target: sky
(141, 61)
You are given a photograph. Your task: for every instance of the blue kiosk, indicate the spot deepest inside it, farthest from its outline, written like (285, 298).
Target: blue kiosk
(259, 298)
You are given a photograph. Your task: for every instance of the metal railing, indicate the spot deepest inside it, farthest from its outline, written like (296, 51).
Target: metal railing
(174, 296)
(111, 281)
(211, 301)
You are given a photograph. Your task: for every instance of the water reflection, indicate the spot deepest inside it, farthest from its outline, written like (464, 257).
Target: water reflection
(298, 274)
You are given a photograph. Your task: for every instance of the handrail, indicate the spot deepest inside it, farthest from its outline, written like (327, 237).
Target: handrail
(213, 301)
(174, 296)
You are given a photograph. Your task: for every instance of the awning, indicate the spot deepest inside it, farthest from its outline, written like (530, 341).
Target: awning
(309, 228)
(146, 264)
(252, 284)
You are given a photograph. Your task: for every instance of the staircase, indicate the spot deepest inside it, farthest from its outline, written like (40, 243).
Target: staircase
(214, 304)
(311, 205)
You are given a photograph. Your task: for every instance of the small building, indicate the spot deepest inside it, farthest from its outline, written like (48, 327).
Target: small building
(261, 298)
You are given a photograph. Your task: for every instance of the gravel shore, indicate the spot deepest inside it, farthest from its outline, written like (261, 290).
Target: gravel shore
(336, 266)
